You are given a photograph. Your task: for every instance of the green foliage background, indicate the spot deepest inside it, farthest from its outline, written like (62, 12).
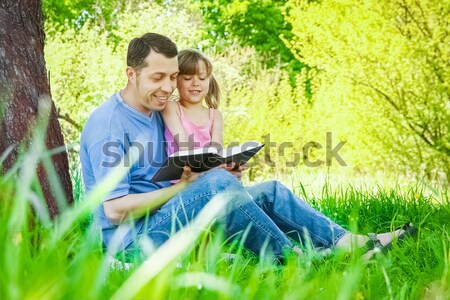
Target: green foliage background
(373, 73)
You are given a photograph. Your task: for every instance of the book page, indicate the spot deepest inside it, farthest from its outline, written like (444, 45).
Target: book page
(195, 151)
(230, 151)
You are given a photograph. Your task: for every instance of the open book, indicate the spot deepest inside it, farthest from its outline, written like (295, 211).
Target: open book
(204, 159)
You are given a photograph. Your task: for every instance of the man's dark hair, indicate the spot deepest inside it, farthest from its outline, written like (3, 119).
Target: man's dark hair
(139, 48)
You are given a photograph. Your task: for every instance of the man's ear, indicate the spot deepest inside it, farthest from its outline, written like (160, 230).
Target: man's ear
(130, 73)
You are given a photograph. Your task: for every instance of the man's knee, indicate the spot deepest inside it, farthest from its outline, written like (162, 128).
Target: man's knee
(220, 179)
(271, 186)
(270, 190)
(280, 190)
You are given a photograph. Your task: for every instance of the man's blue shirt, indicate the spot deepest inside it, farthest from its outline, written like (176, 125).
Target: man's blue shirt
(110, 132)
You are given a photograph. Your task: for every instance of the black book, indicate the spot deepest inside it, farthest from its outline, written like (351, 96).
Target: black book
(204, 159)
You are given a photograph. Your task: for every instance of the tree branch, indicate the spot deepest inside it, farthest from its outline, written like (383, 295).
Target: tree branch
(69, 120)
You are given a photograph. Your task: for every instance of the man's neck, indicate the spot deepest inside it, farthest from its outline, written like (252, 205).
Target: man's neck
(129, 98)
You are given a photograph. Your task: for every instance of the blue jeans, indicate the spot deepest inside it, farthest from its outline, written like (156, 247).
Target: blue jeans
(271, 210)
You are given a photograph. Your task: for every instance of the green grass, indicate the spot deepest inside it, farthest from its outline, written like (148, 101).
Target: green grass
(62, 258)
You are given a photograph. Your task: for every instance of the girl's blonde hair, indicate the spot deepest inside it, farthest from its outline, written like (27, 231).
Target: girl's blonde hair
(188, 65)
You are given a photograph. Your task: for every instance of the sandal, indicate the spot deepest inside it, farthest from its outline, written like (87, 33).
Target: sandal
(374, 243)
(409, 231)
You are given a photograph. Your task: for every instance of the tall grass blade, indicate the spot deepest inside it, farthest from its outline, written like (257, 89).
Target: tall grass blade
(172, 249)
(208, 281)
(17, 224)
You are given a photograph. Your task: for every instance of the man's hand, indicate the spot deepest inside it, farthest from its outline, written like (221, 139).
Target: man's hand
(233, 169)
(188, 175)
(119, 209)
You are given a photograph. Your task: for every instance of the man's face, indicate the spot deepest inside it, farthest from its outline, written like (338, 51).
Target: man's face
(154, 84)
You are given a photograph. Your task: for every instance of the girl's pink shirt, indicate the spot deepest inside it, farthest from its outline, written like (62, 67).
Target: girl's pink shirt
(201, 134)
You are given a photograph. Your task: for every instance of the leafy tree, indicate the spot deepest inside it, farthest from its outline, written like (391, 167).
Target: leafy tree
(57, 11)
(394, 53)
(61, 15)
(75, 13)
(250, 23)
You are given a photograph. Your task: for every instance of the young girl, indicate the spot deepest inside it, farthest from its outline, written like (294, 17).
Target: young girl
(194, 120)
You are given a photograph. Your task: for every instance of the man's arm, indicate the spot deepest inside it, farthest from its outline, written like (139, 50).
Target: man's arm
(137, 205)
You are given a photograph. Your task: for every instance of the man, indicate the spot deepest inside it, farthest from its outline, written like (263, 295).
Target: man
(138, 209)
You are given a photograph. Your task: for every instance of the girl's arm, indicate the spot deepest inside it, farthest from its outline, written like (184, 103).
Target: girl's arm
(171, 116)
(217, 131)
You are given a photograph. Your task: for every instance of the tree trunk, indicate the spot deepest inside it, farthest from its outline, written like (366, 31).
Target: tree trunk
(23, 84)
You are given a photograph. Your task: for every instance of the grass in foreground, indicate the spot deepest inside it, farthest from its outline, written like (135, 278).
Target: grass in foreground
(62, 258)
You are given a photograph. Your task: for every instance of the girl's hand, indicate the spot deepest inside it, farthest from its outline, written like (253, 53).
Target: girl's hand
(188, 175)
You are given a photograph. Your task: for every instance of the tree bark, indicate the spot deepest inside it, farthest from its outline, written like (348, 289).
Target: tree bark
(23, 84)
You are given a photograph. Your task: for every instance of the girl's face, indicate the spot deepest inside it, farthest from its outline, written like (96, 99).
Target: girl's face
(194, 88)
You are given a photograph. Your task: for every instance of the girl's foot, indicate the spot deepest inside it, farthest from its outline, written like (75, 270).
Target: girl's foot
(376, 242)
(352, 242)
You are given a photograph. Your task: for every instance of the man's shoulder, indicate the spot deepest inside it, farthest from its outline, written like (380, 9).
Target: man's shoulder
(101, 120)
(105, 110)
